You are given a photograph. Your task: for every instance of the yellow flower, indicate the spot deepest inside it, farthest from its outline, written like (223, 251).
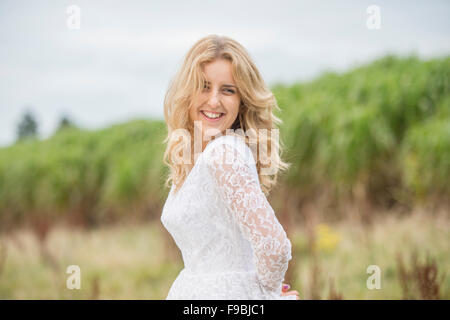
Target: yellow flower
(327, 240)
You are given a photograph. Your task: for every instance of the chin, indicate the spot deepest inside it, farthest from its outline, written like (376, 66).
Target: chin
(211, 130)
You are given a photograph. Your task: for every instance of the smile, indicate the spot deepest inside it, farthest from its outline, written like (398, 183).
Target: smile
(212, 116)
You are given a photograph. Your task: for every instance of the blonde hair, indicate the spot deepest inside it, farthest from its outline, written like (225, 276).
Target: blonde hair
(255, 111)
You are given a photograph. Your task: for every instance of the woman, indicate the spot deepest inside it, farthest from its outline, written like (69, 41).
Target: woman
(232, 244)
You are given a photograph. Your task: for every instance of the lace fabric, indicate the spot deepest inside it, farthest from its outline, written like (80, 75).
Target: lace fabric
(232, 244)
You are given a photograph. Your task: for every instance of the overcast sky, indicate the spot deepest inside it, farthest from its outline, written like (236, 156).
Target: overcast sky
(117, 66)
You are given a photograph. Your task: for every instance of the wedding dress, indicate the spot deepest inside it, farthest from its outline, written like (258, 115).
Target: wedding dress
(232, 245)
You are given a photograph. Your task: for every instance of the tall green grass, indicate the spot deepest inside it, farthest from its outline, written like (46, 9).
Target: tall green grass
(84, 176)
(383, 128)
(380, 125)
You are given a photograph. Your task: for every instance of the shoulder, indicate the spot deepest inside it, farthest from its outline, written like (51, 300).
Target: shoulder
(232, 147)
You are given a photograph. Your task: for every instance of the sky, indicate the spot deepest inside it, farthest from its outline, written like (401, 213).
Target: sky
(117, 65)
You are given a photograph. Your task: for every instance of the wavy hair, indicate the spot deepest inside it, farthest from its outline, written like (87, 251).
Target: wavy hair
(255, 111)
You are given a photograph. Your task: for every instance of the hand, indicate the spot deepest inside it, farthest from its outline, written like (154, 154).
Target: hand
(285, 292)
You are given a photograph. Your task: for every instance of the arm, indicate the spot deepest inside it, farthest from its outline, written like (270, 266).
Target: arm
(238, 183)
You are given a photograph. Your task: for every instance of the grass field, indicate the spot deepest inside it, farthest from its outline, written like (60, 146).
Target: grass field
(132, 262)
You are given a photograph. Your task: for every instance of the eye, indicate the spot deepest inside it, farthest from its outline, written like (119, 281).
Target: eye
(230, 90)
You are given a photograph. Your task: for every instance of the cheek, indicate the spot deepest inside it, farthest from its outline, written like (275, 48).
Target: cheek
(233, 106)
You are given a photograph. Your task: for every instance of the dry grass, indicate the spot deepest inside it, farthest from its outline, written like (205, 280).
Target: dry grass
(135, 262)
(340, 272)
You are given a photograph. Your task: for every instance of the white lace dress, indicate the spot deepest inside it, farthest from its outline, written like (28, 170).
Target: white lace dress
(233, 246)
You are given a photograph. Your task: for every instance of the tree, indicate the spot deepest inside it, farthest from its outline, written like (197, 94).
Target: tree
(27, 127)
(64, 123)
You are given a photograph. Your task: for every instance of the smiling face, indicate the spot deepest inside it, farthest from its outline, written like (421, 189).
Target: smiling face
(218, 104)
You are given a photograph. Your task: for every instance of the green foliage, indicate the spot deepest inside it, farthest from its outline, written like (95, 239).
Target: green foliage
(426, 155)
(343, 129)
(385, 126)
(65, 123)
(27, 127)
(84, 174)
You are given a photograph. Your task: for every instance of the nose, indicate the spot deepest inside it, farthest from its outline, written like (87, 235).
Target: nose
(214, 99)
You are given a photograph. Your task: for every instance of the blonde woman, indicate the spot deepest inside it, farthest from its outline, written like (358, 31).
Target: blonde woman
(219, 113)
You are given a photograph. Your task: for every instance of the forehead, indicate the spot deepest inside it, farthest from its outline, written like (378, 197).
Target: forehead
(219, 71)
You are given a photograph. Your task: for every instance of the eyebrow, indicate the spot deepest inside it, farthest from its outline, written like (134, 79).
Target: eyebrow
(225, 85)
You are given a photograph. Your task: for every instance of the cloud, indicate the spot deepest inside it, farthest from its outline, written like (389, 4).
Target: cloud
(119, 64)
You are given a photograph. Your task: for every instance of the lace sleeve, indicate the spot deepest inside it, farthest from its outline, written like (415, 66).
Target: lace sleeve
(237, 178)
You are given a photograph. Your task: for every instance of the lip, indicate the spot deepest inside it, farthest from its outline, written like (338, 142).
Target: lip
(211, 120)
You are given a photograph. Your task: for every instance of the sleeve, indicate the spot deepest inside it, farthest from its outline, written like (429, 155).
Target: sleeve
(235, 173)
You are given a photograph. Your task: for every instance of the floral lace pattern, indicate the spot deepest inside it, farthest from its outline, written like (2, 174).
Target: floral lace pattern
(232, 244)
